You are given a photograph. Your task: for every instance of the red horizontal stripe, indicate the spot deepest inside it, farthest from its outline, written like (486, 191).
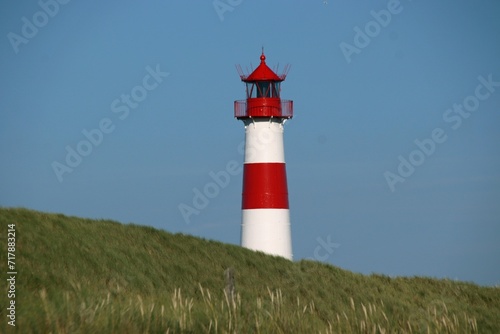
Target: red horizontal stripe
(264, 186)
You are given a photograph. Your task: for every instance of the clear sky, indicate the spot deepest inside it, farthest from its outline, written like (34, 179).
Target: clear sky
(393, 156)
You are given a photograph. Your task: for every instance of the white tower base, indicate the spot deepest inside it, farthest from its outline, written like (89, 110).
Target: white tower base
(268, 231)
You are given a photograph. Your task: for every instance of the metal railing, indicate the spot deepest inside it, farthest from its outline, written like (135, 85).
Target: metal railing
(285, 110)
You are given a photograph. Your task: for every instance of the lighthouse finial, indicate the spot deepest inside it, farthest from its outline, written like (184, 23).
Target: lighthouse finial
(262, 56)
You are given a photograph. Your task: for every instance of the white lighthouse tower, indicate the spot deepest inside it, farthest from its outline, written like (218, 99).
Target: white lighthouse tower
(265, 213)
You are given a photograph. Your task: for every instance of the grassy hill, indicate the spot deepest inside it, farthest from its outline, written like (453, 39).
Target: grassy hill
(96, 276)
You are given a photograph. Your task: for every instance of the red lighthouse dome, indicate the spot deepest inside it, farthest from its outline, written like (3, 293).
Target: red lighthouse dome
(262, 73)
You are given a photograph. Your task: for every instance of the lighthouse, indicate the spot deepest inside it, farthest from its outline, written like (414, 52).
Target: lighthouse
(265, 224)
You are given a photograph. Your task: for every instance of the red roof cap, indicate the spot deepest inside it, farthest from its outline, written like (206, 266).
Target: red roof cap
(262, 72)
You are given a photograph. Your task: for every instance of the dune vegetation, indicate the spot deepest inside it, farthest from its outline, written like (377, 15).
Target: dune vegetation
(79, 275)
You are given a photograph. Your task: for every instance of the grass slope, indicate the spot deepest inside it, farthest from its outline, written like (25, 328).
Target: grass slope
(80, 276)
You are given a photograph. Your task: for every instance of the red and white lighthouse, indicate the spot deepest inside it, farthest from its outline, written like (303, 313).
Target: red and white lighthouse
(265, 222)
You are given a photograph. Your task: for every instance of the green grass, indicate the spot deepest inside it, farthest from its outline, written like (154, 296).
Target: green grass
(97, 276)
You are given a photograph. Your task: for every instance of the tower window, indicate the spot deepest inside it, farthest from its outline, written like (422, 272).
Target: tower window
(263, 89)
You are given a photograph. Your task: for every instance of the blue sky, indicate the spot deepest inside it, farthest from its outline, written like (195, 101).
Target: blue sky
(368, 80)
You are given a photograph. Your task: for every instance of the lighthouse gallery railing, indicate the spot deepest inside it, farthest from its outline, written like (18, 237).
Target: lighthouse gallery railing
(241, 110)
